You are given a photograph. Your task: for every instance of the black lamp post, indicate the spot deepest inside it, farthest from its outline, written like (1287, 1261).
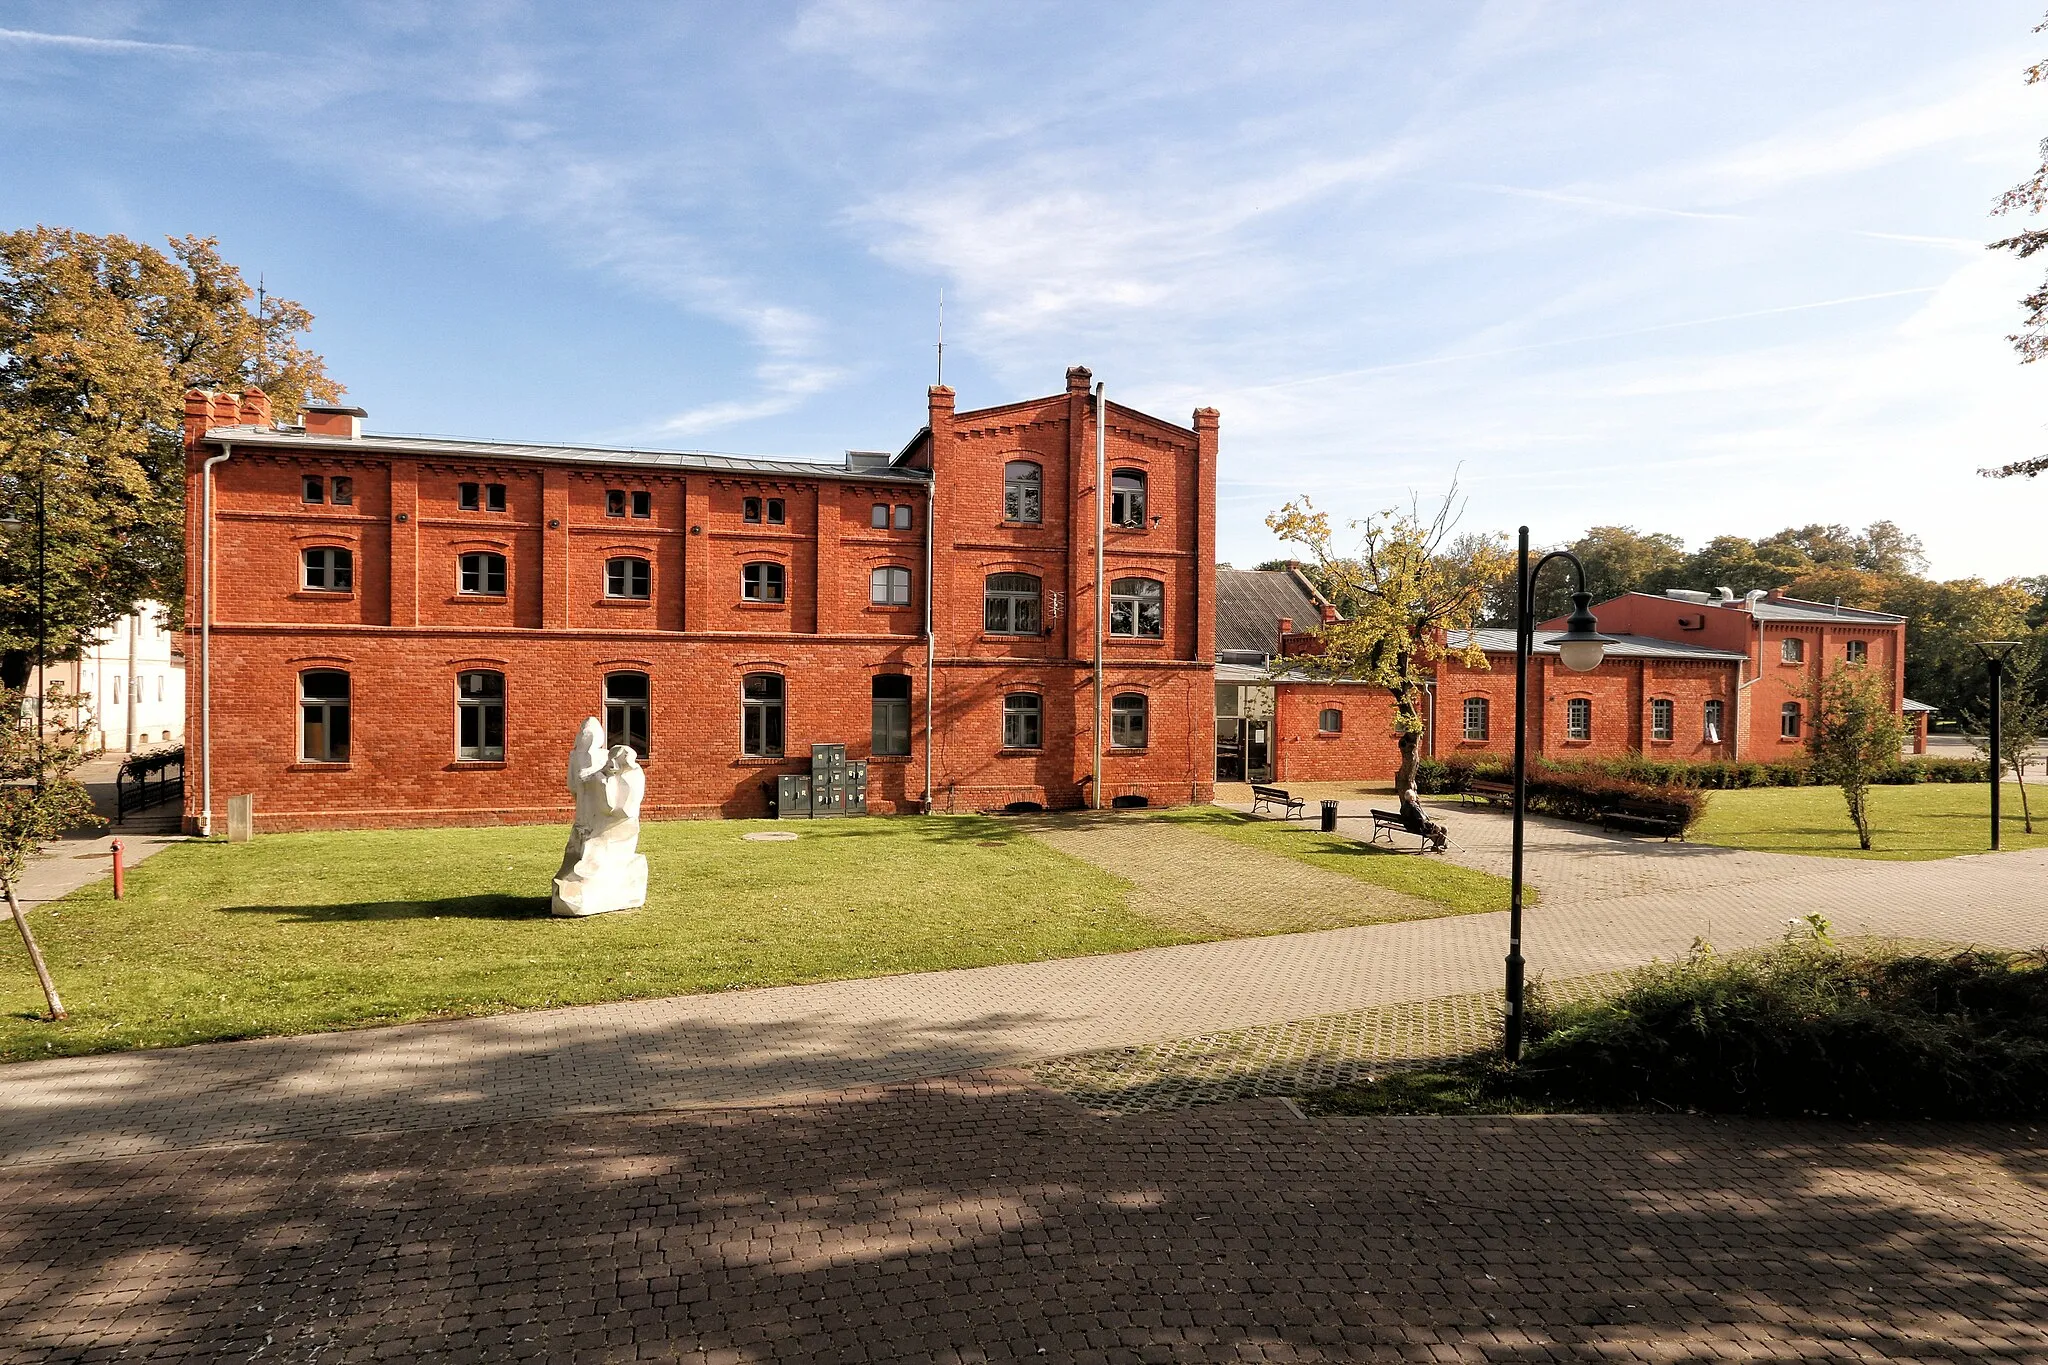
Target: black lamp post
(1580, 649)
(1994, 652)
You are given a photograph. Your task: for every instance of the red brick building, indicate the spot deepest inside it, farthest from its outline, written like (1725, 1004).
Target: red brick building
(393, 630)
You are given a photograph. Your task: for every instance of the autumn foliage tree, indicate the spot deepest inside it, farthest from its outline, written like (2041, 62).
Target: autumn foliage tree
(2030, 197)
(1409, 581)
(1852, 732)
(99, 338)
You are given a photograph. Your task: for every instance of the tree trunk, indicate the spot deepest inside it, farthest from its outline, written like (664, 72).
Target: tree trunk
(1410, 740)
(2019, 770)
(35, 954)
(14, 669)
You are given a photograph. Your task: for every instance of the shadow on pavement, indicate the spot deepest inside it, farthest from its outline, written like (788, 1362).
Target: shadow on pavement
(982, 1220)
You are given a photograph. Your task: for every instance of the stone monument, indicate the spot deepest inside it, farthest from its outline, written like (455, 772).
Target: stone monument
(601, 869)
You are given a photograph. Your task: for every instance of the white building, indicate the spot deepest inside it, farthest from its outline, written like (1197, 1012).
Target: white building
(134, 675)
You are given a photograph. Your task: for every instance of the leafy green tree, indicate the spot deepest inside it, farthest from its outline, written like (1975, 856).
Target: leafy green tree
(1410, 580)
(39, 800)
(1741, 565)
(99, 338)
(2030, 197)
(1618, 559)
(1943, 622)
(1851, 733)
(1884, 548)
(1832, 546)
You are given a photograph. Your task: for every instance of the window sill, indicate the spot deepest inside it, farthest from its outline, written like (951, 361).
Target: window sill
(759, 761)
(481, 599)
(1577, 743)
(750, 604)
(1666, 743)
(323, 594)
(988, 638)
(626, 603)
(1154, 640)
(1329, 734)
(885, 758)
(890, 609)
(1020, 525)
(1114, 751)
(1470, 743)
(304, 766)
(1038, 752)
(466, 765)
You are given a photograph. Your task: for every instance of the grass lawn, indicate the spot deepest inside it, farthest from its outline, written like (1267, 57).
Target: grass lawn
(296, 933)
(1460, 890)
(1932, 820)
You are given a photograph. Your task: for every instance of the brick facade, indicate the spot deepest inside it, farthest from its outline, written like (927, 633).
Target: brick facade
(405, 627)
(1620, 698)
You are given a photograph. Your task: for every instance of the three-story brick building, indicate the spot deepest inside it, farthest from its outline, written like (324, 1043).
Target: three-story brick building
(394, 630)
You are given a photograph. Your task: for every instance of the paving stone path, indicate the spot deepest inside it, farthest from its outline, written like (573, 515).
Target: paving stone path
(986, 1220)
(1608, 904)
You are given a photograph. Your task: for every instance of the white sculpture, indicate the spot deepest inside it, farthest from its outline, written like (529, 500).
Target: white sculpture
(601, 870)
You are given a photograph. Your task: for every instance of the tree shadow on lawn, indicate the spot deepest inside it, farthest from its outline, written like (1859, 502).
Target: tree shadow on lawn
(990, 1220)
(452, 907)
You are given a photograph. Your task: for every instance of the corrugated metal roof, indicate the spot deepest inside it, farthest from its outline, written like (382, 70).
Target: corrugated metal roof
(1251, 603)
(1796, 609)
(1498, 641)
(453, 448)
(1910, 705)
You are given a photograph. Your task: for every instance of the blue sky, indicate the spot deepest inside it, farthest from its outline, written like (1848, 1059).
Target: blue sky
(1700, 269)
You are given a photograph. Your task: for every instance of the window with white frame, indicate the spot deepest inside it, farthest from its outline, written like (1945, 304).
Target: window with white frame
(1792, 650)
(1578, 718)
(1022, 485)
(1137, 608)
(1660, 718)
(1127, 498)
(328, 568)
(628, 577)
(1022, 716)
(1788, 720)
(323, 716)
(1857, 651)
(1711, 716)
(889, 587)
(480, 715)
(481, 574)
(1128, 712)
(1477, 718)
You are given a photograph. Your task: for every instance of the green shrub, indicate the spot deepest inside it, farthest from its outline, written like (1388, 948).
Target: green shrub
(1442, 776)
(1568, 790)
(1805, 1029)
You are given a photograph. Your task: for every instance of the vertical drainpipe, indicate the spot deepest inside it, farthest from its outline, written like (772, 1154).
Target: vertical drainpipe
(1101, 510)
(227, 452)
(930, 634)
(134, 687)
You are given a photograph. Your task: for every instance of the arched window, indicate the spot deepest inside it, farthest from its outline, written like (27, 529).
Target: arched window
(1661, 726)
(1137, 607)
(761, 582)
(891, 721)
(328, 568)
(1330, 721)
(1009, 604)
(628, 577)
(1021, 484)
(1477, 718)
(761, 715)
(1788, 720)
(626, 711)
(482, 574)
(1127, 498)
(889, 587)
(1022, 716)
(480, 715)
(1127, 711)
(1578, 718)
(323, 716)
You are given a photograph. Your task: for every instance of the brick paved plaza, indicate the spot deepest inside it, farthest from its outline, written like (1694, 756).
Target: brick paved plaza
(846, 1171)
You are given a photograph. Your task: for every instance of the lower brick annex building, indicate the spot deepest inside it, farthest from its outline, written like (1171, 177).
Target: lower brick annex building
(1022, 605)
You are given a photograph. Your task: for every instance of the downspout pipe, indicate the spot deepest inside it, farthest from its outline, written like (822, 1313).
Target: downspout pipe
(931, 648)
(227, 452)
(1101, 511)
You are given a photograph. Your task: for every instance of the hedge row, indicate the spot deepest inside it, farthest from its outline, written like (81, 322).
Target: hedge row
(1569, 791)
(1443, 776)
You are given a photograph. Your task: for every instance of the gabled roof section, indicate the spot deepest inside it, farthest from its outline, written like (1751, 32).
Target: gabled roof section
(1251, 603)
(441, 447)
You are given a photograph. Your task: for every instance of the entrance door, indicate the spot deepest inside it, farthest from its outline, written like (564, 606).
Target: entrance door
(1229, 749)
(1257, 751)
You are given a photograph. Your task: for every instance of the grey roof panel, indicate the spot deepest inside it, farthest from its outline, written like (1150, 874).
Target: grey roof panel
(1251, 603)
(1499, 641)
(452, 448)
(1796, 609)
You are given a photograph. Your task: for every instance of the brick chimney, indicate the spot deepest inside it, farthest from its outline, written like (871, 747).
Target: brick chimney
(255, 408)
(1286, 629)
(332, 419)
(1329, 614)
(1079, 377)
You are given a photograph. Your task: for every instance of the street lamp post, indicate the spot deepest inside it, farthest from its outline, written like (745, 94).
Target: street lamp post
(1580, 649)
(1994, 652)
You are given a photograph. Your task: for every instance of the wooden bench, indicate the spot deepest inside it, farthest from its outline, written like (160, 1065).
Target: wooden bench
(1387, 823)
(1276, 796)
(1492, 793)
(1655, 817)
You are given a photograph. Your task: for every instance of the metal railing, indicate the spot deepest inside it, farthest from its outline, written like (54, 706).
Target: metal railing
(147, 780)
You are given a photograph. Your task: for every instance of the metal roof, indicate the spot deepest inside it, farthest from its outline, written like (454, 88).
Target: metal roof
(1797, 609)
(1251, 603)
(1499, 641)
(1910, 705)
(452, 448)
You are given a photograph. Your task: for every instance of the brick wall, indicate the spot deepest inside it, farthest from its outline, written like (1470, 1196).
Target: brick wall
(1621, 692)
(1362, 748)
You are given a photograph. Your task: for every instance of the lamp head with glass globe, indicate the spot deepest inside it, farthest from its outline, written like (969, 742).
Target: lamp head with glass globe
(1582, 646)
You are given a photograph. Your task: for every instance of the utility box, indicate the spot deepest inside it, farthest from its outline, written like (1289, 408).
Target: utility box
(792, 797)
(835, 786)
(241, 819)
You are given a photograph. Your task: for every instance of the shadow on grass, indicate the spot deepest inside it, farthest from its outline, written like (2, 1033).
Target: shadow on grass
(452, 907)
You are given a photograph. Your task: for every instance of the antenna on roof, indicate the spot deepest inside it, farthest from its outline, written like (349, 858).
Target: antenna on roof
(262, 334)
(942, 335)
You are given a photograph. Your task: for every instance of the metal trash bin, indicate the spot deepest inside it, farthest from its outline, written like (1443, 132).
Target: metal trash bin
(1329, 817)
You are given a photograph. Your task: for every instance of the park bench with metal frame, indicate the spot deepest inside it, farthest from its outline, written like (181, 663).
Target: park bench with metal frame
(1277, 796)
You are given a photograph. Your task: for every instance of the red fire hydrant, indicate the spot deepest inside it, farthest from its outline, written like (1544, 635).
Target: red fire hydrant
(118, 887)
